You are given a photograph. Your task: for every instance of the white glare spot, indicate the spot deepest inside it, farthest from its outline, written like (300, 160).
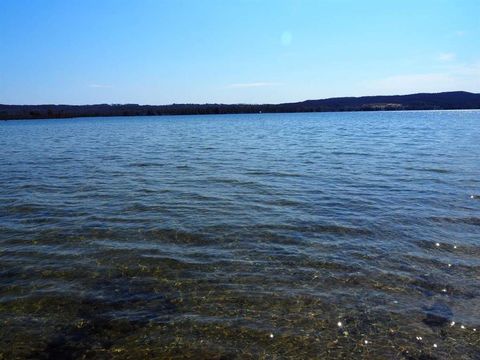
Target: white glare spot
(286, 38)
(339, 324)
(419, 338)
(462, 326)
(452, 323)
(437, 244)
(474, 329)
(449, 265)
(444, 290)
(454, 246)
(271, 336)
(435, 345)
(366, 342)
(471, 196)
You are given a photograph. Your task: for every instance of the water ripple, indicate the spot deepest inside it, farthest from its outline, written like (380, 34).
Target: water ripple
(242, 236)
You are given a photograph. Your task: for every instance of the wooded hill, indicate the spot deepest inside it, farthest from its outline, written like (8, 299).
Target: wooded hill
(424, 101)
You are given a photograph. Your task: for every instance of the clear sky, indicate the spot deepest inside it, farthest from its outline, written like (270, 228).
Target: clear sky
(234, 51)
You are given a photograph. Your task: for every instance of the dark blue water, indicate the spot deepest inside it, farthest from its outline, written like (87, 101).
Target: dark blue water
(332, 235)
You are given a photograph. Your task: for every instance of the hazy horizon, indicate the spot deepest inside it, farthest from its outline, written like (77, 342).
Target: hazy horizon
(249, 51)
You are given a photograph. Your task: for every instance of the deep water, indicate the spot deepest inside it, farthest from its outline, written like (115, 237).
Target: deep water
(330, 235)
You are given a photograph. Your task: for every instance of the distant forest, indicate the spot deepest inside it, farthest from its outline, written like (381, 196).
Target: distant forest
(437, 101)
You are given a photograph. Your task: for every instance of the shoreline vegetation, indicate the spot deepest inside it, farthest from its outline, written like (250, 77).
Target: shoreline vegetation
(455, 100)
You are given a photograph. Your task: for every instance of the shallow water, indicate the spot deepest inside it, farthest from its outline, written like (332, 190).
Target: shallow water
(332, 235)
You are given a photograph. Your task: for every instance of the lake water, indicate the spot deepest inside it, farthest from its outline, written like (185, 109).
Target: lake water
(330, 235)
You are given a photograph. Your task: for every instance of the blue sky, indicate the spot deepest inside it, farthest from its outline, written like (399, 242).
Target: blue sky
(234, 51)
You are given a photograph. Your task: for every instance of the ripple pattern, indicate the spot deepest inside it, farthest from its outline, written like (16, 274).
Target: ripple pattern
(331, 235)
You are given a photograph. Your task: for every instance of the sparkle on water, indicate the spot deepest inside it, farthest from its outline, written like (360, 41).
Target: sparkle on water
(241, 236)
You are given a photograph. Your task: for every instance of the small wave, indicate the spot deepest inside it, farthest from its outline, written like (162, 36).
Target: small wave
(146, 164)
(272, 173)
(137, 207)
(238, 182)
(434, 170)
(23, 208)
(350, 153)
(455, 220)
(339, 229)
(327, 228)
(284, 202)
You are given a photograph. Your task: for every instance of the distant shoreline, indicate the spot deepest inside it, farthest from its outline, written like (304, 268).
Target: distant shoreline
(457, 100)
(239, 113)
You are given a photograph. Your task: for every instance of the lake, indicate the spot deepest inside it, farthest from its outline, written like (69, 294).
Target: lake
(314, 235)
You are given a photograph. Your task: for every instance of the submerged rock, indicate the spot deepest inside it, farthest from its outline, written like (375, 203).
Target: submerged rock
(439, 314)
